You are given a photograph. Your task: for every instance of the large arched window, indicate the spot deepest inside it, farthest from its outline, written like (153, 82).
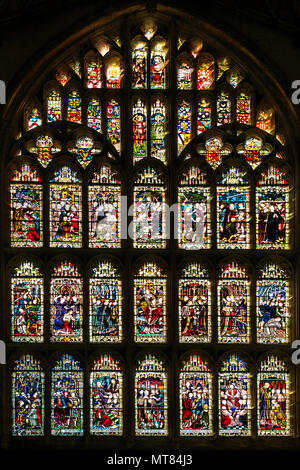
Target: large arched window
(150, 185)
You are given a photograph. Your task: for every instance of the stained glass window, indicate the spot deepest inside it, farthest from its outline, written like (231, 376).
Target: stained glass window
(184, 125)
(265, 118)
(243, 108)
(104, 209)
(26, 208)
(113, 71)
(151, 406)
(234, 304)
(139, 123)
(27, 304)
(85, 148)
(149, 112)
(194, 304)
(234, 397)
(203, 115)
(195, 389)
(65, 209)
(54, 106)
(44, 148)
(205, 72)
(194, 224)
(223, 108)
(272, 304)
(28, 388)
(158, 64)
(233, 209)
(74, 107)
(272, 209)
(34, 119)
(106, 386)
(150, 296)
(214, 149)
(93, 72)
(113, 116)
(105, 304)
(139, 64)
(273, 398)
(66, 303)
(149, 216)
(94, 114)
(67, 397)
(158, 130)
(254, 149)
(185, 72)
(62, 75)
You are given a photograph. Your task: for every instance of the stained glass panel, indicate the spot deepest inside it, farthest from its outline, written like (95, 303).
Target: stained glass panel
(139, 123)
(74, 107)
(139, 65)
(150, 320)
(113, 116)
(94, 114)
(272, 210)
(67, 397)
(185, 72)
(223, 108)
(106, 383)
(234, 398)
(195, 388)
(151, 418)
(273, 398)
(194, 304)
(149, 213)
(93, 73)
(158, 65)
(28, 388)
(184, 125)
(233, 304)
(272, 305)
(66, 304)
(26, 208)
(205, 72)
(54, 106)
(27, 304)
(233, 209)
(105, 304)
(158, 131)
(34, 119)
(194, 224)
(243, 108)
(114, 74)
(104, 210)
(65, 209)
(203, 116)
